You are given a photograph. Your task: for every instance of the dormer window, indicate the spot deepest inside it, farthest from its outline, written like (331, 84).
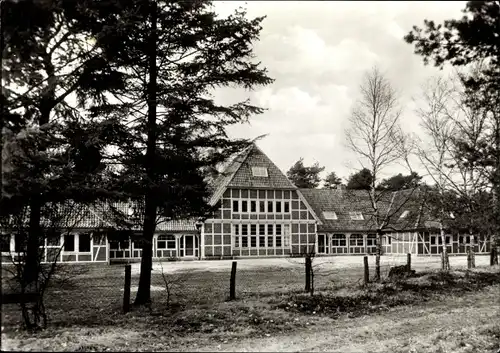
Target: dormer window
(259, 172)
(330, 215)
(356, 216)
(404, 214)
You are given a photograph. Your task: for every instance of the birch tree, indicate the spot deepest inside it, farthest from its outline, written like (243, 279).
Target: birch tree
(375, 136)
(435, 152)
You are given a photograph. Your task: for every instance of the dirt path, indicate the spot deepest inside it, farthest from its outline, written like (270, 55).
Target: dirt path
(463, 324)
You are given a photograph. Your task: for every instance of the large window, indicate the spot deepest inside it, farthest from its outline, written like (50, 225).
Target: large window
(339, 240)
(5, 243)
(236, 205)
(84, 242)
(69, 242)
(356, 240)
(371, 240)
(166, 241)
(261, 235)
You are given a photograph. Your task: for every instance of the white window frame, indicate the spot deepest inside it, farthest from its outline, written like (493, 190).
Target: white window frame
(167, 241)
(356, 216)
(260, 172)
(330, 215)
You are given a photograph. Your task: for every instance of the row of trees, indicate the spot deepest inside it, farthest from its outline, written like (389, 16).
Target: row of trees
(308, 177)
(460, 119)
(112, 100)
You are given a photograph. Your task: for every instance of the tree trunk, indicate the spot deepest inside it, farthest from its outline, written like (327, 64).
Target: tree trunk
(143, 296)
(445, 262)
(378, 254)
(31, 262)
(144, 290)
(471, 247)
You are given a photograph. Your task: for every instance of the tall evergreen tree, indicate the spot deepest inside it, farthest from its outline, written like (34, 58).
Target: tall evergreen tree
(51, 70)
(173, 55)
(361, 180)
(305, 177)
(332, 181)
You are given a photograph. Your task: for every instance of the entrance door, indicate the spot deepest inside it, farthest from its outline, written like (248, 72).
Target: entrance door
(189, 245)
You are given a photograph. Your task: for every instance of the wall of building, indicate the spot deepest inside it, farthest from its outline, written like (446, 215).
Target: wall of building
(251, 222)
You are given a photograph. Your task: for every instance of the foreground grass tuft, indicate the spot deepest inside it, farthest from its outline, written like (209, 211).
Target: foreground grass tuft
(380, 296)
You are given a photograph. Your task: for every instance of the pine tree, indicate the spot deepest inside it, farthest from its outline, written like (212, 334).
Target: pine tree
(173, 55)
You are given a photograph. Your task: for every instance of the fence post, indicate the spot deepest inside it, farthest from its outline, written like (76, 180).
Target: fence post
(469, 258)
(367, 274)
(232, 284)
(126, 291)
(408, 262)
(308, 274)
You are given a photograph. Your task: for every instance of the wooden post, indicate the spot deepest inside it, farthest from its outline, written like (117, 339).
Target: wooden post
(308, 274)
(469, 257)
(232, 284)
(408, 262)
(367, 274)
(126, 291)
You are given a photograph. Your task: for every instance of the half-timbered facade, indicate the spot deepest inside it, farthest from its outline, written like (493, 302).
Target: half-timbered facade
(259, 213)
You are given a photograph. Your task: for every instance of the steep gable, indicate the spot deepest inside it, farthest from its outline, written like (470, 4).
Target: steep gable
(239, 174)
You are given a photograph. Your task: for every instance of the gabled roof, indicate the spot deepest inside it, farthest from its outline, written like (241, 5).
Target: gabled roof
(238, 174)
(341, 202)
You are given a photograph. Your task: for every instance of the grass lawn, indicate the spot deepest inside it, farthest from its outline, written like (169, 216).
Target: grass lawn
(428, 313)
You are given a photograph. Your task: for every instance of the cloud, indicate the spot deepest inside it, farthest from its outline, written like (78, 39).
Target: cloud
(317, 52)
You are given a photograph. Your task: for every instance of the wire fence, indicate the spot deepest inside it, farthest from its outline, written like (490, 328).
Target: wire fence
(94, 294)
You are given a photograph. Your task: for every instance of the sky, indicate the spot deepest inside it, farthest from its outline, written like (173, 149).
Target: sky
(318, 52)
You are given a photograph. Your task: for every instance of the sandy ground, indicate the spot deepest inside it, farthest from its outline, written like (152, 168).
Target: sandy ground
(333, 262)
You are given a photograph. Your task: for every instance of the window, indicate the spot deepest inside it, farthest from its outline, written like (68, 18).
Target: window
(371, 240)
(236, 228)
(270, 229)
(270, 241)
(19, 242)
(278, 229)
(5, 243)
(253, 229)
(259, 171)
(244, 242)
(166, 241)
(84, 242)
(433, 240)
(356, 216)
(356, 240)
(286, 206)
(262, 241)
(278, 206)
(244, 229)
(253, 242)
(53, 239)
(278, 241)
(269, 206)
(253, 206)
(244, 206)
(262, 206)
(69, 242)
(329, 215)
(138, 244)
(262, 229)
(404, 214)
(339, 240)
(389, 240)
(236, 205)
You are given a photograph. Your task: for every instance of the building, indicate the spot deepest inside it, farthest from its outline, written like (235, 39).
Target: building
(259, 213)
